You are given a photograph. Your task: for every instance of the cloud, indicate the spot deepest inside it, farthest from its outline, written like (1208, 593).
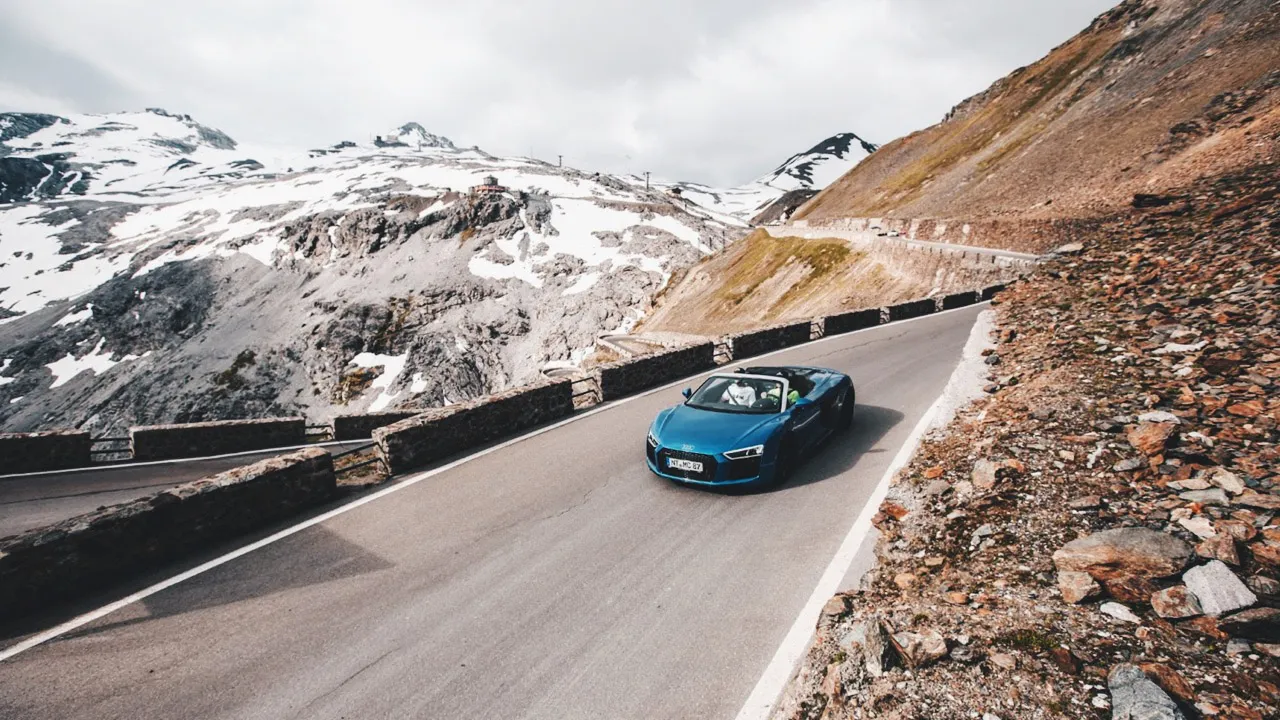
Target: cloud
(712, 90)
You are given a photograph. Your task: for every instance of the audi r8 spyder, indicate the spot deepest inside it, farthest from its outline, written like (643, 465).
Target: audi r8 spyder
(749, 427)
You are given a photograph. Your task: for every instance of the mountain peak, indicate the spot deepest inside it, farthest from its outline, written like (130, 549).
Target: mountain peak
(413, 135)
(821, 164)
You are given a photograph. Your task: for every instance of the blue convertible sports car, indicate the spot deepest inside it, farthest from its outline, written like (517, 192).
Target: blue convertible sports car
(749, 427)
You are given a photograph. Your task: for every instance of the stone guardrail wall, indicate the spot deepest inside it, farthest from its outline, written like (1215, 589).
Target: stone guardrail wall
(625, 377)
(75, 556)
(51, 450)
(912, 309)
(441, 432)
(361, 427)
(165, 442)
(850, 321)
(958, 300)
(992, 291)
(759, 342)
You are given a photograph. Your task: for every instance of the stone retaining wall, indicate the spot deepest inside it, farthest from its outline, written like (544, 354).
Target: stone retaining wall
(66, 560)
(850, 321)
(163, 442)
(776, 337)
(958, 300)
(626, 377)
(912, 309)
(361, 427)
(440, 432)
(991, 291)
(51, 450)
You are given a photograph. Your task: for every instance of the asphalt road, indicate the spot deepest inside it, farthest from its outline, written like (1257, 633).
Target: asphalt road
(553, 578)
(31, 501)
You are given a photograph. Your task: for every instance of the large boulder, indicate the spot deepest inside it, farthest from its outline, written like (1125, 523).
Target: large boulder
(1125, 552)
(1218, 589)
(920, 649)
(1258, 624)
(1135, 697)
(1150, 438)
(1176, 602)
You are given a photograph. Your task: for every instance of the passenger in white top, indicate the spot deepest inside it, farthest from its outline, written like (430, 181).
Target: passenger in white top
(739, 393)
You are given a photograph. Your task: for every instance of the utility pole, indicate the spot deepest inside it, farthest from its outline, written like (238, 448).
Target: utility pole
(560, 161)
(646, 179)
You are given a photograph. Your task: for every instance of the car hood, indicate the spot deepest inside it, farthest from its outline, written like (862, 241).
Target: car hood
(707, 431)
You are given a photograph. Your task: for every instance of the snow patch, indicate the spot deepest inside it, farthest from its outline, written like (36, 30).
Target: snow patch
(585, 282)
(419, 385)
(392, 366)
(75, 317)
(97, 361)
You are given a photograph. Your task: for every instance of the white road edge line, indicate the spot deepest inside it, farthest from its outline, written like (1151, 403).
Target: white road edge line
(86, 618)
(768, 690)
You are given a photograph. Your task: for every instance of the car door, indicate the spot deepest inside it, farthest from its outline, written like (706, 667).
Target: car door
(806, 426)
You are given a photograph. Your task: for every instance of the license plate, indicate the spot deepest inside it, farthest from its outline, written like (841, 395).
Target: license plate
(690, 465)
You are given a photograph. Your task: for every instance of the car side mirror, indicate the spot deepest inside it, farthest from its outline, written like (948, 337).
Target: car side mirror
(687, 393)
(802, 402)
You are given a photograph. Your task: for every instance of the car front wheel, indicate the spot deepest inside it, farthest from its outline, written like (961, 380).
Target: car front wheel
(846, 411)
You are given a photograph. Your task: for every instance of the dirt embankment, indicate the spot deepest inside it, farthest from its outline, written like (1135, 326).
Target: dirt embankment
(1100, 536)
(762, 280)
(1151, 96)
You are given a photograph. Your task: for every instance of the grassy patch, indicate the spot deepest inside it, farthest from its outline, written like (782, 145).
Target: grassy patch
(230, 378)
(763, 256)
(400, 310)
(353, 383)
(1027, 640)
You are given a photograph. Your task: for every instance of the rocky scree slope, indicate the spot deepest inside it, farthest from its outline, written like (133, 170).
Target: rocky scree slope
(1100, 536)
(156, 271)
(1152, 95)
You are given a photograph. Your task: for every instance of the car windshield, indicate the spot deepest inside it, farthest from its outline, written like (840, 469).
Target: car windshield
(739, 395)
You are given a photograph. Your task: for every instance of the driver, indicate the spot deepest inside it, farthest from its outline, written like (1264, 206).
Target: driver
(739, 393)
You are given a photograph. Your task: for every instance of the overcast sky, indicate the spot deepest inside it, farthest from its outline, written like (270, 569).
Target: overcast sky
(718, 91)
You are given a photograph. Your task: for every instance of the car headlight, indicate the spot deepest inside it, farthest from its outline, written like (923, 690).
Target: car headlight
(653, 441)
(745, 453)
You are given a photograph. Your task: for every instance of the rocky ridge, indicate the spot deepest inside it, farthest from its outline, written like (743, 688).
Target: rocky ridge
(1100, 535)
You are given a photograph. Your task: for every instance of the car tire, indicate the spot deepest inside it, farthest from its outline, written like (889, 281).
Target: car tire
(846, 411)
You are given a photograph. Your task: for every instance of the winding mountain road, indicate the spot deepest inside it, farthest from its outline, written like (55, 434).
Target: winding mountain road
(548, 577)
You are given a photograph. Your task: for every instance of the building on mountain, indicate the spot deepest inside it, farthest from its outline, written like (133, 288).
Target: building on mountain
(488, 186)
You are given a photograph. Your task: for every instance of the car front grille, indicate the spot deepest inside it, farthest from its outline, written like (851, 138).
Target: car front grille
(743, 469)
(708, 465)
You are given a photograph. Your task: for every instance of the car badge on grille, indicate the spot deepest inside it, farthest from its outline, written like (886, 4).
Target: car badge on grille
(687, 448)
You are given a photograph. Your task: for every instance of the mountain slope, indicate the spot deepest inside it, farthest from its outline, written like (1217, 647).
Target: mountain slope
(1150, 95)
(157, 271)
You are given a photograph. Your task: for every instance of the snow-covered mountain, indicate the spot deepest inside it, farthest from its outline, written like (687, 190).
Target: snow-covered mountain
(774, 196)
(154, 270)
